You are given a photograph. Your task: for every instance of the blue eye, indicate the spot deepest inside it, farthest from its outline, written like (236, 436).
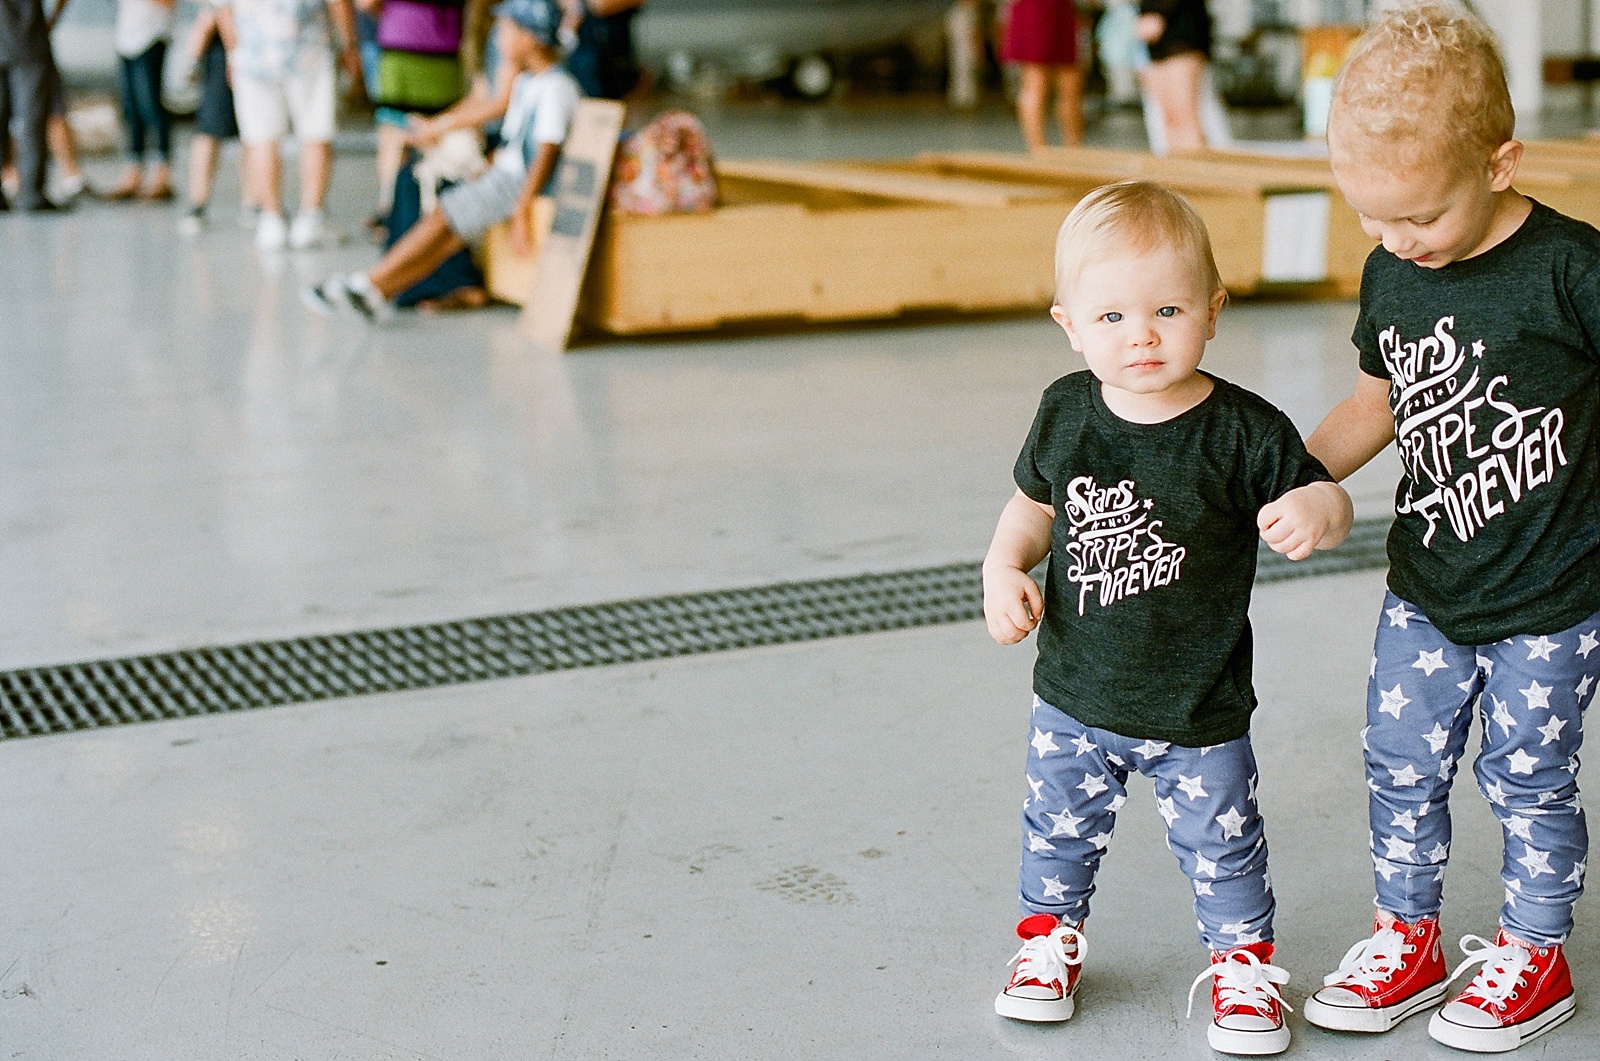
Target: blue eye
(1167, 311)
(1113, 317)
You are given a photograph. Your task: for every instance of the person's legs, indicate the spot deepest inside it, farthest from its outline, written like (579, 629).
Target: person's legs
(128, 89)
(7, 151)
(1069, 103)
(391, 155)
(203, 151)
(149, 69)
(316, 170)
(1031, 104)
(265, 168)
(58, 135)
(30, 82)
(1176, 84)
(418, 253)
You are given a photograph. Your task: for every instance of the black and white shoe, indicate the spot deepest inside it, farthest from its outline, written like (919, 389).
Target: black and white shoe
(348, 295)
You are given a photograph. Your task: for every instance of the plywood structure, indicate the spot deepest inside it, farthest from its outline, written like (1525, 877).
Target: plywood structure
(967, 231)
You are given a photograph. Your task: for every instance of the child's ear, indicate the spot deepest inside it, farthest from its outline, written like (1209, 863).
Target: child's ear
(1059, 315)
(1503, 164)
(1218, 299)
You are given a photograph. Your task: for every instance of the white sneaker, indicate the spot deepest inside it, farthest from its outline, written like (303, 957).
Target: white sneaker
(312, 230)
(348, 295)
(272, 232)
(193, 222)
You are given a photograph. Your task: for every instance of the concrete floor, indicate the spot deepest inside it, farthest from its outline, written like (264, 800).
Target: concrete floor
(797, 852)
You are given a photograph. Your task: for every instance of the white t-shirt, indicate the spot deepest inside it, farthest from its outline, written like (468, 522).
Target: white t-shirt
(140, 23)
(540, 112)
(277, 38)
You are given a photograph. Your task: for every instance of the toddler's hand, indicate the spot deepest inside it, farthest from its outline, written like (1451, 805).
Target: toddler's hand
(1012, 604)
(1315, 516)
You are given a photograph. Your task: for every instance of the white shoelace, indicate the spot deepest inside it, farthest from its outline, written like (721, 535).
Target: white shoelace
(1370, 961)
(1245, 981)
(1503, 967)
(1045, 958)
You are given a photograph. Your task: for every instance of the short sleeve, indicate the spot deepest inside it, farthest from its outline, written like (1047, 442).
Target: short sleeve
(552, 116)
(1365, 336)
(1282, 464)
(1030, 480)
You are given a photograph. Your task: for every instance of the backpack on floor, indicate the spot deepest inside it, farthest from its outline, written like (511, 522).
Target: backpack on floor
(665, 167)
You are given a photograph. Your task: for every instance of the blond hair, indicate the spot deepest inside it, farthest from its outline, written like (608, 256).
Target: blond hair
(1132, 217)
(1425, 83)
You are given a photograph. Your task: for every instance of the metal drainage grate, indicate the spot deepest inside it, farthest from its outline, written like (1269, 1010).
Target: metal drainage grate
(202, 681)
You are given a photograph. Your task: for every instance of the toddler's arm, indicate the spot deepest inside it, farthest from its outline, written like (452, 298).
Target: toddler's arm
(1356, 430)
(1314, 516)
(1012, 603)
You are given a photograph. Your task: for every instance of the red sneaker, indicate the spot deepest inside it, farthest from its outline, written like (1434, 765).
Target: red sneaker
(1384, 979)
(1521, 992)
(1047, 970)
(1244, 995)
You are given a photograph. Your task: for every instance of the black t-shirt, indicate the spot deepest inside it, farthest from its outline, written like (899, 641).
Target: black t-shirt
(1493, 364)
(1146, 628)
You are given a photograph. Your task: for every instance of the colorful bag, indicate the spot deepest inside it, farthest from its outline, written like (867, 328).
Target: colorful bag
(666, 168)
(413, 26)
(411, 82)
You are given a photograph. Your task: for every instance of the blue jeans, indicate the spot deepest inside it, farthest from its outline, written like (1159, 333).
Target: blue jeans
(1530, 693)
(1207, 797)
(139, 82)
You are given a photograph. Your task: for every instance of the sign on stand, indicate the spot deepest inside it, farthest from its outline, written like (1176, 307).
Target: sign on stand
(583, 177)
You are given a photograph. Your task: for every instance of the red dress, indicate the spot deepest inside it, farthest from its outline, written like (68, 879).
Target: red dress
(1043, 32)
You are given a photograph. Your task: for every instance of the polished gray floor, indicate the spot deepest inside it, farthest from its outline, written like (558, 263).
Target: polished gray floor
(796, 852)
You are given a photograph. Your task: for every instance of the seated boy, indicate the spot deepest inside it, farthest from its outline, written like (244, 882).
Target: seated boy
(543, 99)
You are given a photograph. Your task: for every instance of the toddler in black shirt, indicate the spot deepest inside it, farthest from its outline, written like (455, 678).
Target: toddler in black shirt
(1479, 339)
(1147, 482)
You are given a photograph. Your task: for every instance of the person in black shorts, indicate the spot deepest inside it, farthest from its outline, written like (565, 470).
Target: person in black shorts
(1178, 34)
(214, 122)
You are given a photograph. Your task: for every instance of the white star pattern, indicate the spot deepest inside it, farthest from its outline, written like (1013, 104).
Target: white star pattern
(1552, 731)
(1405, 821)
(1437, 738)
(1037, 786)
(1587, 643)
(1234, 928)
(1428, 662)
(1232, 823)
(1486, 665)
(1398, 848)
(1115, 760)
(1245, 939)
(1203, 887)
(1521, 828)
(1495, 793)
(1250, 787)
(1511, 900)
(1521, 762)
(1372, 671)
(1385, 868)
(1065, 823)
(1398, 616)
(1465, 685)
(1576, 876)
(1405, 777)
(1502, 715)
(1053, 888)
(1208, 749)
(1044, 743)
(1093, 785)
(1153, 749)
(1191, 786)
(1393, 700)
(1116, 803)
(1438, 853)
(1167, 809)
(1039, 843)
(1202, 864)
(1572, 765)
(1445, 766)
(1583, 687)
(1100, 840)
(1538, 695)
(1536, 862)
(1084, 744)
(1541, 648)
(1364, 730)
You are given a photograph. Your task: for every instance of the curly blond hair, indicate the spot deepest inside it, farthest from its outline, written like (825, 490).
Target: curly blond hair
(1425, 83)
(1131, 216)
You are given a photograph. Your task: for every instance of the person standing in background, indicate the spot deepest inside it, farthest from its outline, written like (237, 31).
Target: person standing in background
(143, 27)
(1041, 37)
(1178, 34)
(602, 58)
(214, 122)
(24, 83)
(283, 77)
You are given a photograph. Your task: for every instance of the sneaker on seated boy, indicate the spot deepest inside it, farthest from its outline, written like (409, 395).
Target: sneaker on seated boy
(1147, 483)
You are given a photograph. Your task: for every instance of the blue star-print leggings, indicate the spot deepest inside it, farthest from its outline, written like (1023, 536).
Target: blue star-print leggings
(1530, 693)
(1207, 796)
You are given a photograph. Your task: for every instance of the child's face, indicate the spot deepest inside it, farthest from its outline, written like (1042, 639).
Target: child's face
(1141, 321)
(520, 46)
(1428, 215)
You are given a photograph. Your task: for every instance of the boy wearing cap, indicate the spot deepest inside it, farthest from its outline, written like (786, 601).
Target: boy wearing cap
(543, 99)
